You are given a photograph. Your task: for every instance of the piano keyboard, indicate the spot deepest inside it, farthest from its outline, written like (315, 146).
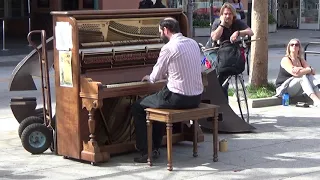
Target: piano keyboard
(126, 84)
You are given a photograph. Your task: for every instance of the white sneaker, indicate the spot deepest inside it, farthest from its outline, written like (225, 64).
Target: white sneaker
(316, 105)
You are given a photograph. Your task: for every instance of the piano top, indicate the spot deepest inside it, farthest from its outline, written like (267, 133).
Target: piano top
(152, 11)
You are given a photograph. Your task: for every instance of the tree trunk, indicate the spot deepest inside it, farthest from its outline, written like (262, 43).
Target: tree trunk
(259, 49)
(190, 17)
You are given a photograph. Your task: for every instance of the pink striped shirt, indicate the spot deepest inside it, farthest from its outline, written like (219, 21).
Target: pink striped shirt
(179, 62)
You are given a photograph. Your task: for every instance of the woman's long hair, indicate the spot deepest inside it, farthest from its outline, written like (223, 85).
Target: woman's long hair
(300, 52)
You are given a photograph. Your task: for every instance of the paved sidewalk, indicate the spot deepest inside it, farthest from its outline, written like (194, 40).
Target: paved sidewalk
(285, 146)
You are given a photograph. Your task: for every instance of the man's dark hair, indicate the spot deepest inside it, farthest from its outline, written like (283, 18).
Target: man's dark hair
(158, 4)
(171, 24)
(145, 4)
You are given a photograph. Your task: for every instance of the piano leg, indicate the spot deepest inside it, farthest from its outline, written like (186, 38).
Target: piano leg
(92, 125)
(91, 150)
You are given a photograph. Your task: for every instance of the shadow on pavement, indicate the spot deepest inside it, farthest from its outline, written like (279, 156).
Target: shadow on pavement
(9, 175)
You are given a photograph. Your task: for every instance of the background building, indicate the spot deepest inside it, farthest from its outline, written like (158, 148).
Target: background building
(296, 14)
(16, 12)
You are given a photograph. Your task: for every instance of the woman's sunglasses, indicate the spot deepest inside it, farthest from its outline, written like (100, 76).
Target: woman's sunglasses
(295, 44)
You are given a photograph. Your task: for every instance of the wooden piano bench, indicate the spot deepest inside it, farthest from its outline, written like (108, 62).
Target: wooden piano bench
(170, 116)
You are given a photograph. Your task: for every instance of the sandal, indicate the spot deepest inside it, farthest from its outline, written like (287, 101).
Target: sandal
(302, 104)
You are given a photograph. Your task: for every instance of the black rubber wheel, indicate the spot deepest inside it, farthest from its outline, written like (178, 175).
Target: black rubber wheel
(39, 112)
(36, 138)
(53, 122)
(247, 61)
(52, 146)
(242, 98)
(27, 121)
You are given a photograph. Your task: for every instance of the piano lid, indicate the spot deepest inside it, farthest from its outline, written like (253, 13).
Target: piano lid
(129, 23)
(120, 12)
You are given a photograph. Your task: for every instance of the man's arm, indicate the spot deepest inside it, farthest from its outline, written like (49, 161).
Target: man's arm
(217, 30)
(160, 69)
(245, 32)
(244, 29)
(294, 70)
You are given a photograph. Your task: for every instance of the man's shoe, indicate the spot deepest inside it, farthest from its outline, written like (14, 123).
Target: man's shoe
(144, 158)
(135, 146)
(155, 154)
(141, 159)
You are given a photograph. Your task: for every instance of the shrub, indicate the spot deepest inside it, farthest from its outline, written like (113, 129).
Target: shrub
(271, 19)
(268, 90)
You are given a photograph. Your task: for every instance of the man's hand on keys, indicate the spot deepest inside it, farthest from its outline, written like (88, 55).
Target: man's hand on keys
(146, 78)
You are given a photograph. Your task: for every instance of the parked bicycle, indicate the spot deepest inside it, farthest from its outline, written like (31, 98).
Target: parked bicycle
(237, 81)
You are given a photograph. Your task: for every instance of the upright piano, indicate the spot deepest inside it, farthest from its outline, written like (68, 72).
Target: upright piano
(110, 51)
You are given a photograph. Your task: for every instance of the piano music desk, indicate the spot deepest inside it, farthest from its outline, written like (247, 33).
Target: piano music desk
(170, 116)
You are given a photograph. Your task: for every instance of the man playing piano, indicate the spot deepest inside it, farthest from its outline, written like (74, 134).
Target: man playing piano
(178, 62)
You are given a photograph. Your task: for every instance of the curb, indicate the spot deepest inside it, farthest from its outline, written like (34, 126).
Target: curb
(264, 102)
(275, 101)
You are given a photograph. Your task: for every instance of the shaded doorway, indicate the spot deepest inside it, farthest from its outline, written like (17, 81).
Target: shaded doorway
(288, 14)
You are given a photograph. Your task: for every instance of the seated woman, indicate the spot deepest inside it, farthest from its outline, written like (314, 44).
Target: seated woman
(296, 76)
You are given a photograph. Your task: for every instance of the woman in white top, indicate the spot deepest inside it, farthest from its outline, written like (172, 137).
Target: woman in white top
(238, 6)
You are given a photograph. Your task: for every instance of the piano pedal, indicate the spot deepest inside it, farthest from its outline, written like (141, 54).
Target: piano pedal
(220, 117)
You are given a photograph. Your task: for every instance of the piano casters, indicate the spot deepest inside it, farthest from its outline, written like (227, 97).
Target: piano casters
(91, 151)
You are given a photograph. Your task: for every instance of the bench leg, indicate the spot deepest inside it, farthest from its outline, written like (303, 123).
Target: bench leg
(169, 146)
(195, 138)
(149, 138)
(215, 135)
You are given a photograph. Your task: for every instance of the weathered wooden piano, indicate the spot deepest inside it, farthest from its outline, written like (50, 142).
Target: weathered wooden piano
(111, 51)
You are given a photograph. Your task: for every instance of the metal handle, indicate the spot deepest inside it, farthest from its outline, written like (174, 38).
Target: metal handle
(47, 111)
(43, 40)
(3, 36)
(29, 19)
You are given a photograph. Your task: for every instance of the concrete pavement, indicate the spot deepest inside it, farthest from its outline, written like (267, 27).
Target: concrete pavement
(285, 146)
